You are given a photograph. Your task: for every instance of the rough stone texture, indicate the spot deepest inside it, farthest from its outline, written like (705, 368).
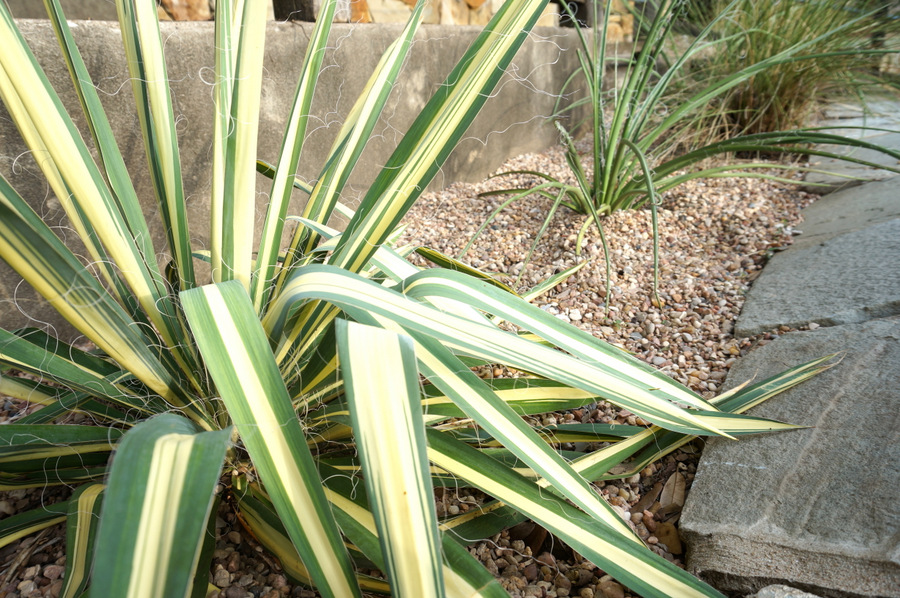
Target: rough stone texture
(512, 122)
(849, 210)
(814, 508)
(780, 591)
(850, 278)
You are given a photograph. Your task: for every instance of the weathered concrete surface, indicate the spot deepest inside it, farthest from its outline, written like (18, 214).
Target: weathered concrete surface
(881, 116)
(848, 278)
(816, 508)
(97, 10)
(512, 121)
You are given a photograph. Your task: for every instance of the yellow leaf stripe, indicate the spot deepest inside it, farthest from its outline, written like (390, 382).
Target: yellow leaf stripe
(158, 526)
(381, 382)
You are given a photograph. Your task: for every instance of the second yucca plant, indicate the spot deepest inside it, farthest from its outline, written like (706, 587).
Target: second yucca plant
(322, 389)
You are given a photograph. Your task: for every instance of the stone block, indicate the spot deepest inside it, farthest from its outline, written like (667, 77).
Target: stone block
(849, 278)
(814, 508)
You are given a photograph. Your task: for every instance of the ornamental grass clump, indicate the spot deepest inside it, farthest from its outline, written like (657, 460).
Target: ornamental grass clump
(323, 390)
(850, 39)
(642, 126)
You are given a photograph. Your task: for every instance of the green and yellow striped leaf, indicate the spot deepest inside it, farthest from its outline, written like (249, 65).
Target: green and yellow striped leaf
(283, 174)
(81, 533)
(434, 134)
(79, 184)
(240, 39)
(101, 132)
(630, 563)
(15, 527)
(352, 138)
(150, 85)
(28, 245)
(78, 454)
(241, 363)
(647, 398)
(155, 508)
(464, 576)
(381, 381)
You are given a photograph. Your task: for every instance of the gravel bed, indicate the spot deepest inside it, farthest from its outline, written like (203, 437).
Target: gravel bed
(715, 236)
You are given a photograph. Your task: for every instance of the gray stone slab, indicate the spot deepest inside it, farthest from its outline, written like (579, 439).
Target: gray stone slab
(782, 591)
(814, 508)
(849, 210)
(849, 278)
(839, 112)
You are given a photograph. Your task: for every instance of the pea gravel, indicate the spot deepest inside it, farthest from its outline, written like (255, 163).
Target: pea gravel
(715, 237)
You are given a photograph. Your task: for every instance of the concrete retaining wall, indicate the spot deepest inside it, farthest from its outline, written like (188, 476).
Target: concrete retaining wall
(512, 122)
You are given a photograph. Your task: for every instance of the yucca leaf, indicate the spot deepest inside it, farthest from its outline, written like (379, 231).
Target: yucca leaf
(32, 355)
(267, 528)
(20, 525)
(34, 456)
(155, 508)
(83, 193)
(445, 261)
(651, 399)
(291, 145)
(425, 147)
(150, 84)
(101, 131)
(500, 421)
(649, 445)
(352, 138)
(359, 297)
(240, 39)
(436, 131)
(268, 171)
(527, 396)
(463, 575)
(81, 533)
(241, 363)
(629, 562)
(261, 518)
(32, 137)
(381, 381)
(736, 401)
(202, 587)
(19, 441)
(451, 285)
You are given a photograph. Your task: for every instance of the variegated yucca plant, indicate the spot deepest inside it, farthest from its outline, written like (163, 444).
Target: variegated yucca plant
(323, 389)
